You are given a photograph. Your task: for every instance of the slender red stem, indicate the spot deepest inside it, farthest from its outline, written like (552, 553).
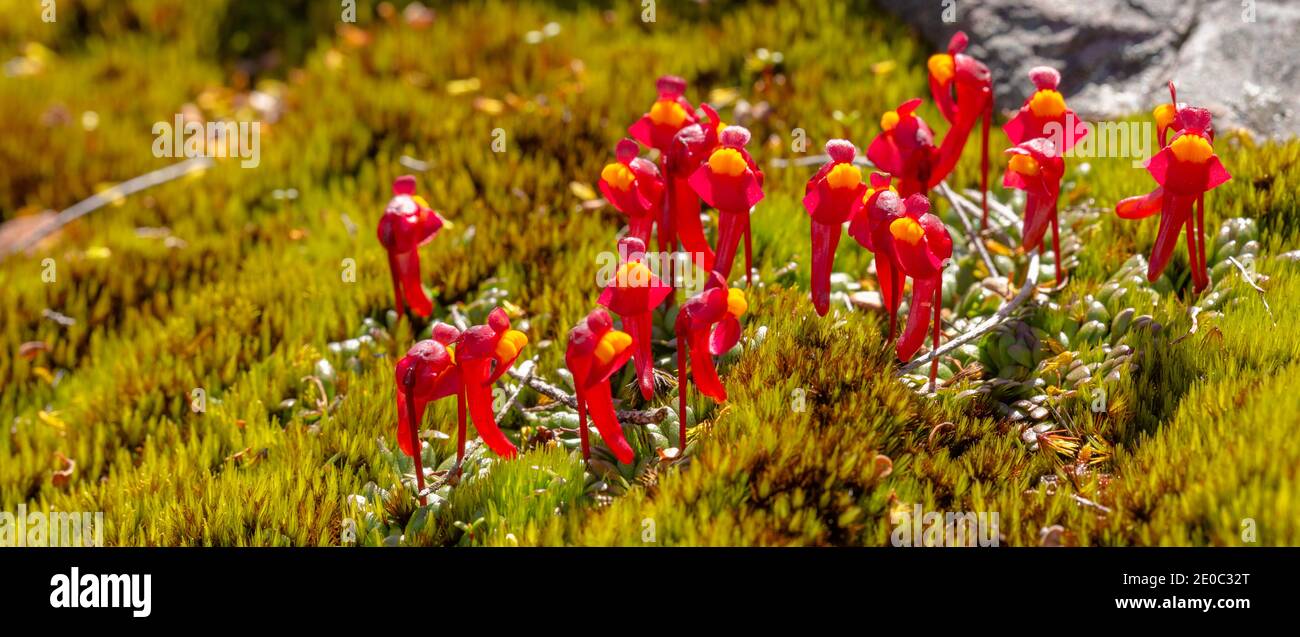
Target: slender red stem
(749, 255)
(897, 276)
(1200, 237)
(1196, 247)
(681, 390)
(582, 422)
(1056, 250)
(461, 428)
(415, 441)
(934, 364)
(671, 300)
(669, 215)
(984, 165)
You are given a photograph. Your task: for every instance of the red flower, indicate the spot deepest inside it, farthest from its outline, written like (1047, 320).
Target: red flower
(731, 182)
(483, 354)
(877, 208)
(830, 198)
(922, 245)
(634, 186)
(425, 374)
(668, 115)
(658, 129)
(1186, 169)
(1036, 168)
(962, 88)
(691, 147)
(464, 364)
(1045, 114)
(633, 295)
(905, 149)
(595, 351)
(407, 224)
(707, 325)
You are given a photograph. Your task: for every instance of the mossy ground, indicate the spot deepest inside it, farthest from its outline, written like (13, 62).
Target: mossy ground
(246, 299)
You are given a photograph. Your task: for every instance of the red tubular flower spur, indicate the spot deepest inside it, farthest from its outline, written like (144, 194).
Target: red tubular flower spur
(923, 246)
(595, 351)
(1185, 170)
(407, 224)
(830, 199)
(633, 295)
(708, 325)
(1036, 168)
(962, 87)
(425, 374)
(634, 186)
(731, 182)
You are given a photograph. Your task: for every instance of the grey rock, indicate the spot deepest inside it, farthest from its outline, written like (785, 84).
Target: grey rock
(1116, 56)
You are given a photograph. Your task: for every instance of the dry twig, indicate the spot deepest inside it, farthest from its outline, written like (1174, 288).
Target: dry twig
(1194, 311)
(971, 234)
(526, 373)
(99, 200)
(638, 417)
(1250, 280)
(991, 322)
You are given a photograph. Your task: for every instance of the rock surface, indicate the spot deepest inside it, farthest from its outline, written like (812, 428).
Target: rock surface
(1235, 57)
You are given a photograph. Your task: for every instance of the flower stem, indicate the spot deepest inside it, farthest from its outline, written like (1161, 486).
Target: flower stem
(934, 364)
(667, 231)
(461, 428)
(749, 256)
(984, 165)
(896, 275)
(681, 390)
(1056, 249)
(1200, 240)
(582, 422)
